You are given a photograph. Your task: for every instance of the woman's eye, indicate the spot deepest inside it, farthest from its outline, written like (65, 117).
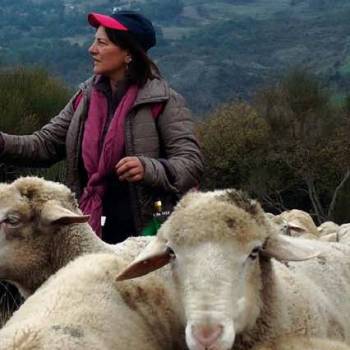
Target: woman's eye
(101, 42)
(254, 253)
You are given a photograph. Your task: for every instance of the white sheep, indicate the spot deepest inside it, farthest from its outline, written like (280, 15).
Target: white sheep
(300, 224)
(344, 233)
(227, 264)
(293, 342)
(328, 231)
(42, 229)
(82, 307)
(280, 224)
(328, 227)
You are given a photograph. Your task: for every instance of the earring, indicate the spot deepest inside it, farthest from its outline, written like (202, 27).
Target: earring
(128, 60)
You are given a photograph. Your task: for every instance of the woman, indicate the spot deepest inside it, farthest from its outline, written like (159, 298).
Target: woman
(128, 138)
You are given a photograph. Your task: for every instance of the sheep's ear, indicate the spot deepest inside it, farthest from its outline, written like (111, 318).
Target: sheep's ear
(153, 257)
(285, 248)
(53, 213)
(331, 237)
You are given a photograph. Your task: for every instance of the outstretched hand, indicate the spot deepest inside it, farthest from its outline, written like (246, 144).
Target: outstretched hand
(130, 169)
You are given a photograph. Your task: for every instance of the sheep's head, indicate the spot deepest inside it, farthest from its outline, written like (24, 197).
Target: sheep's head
(299, 223)
(214, 242)
(32, 210)
(327, 228)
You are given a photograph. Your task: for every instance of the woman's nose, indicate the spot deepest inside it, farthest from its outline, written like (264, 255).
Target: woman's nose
(92, 49)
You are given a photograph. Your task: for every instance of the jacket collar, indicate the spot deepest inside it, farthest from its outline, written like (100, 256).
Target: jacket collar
(156, 90)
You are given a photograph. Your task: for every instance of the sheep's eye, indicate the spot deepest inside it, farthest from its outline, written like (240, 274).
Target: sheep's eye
(171, 253)
(12, 220)
(254, 253)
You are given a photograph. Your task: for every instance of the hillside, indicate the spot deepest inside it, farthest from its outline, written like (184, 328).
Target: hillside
(211, 51)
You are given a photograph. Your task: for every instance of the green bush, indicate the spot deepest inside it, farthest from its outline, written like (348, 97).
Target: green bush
(290, 148)
(29, 98)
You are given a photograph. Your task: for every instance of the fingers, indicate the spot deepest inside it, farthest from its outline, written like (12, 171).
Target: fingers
(129, 169)
(122, 162)
(126, 164)
(130, 173)
(135, 178)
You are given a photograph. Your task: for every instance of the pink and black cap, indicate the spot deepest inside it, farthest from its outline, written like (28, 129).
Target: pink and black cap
(137, 25)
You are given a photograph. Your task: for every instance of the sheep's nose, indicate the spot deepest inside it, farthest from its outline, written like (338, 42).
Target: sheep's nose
(206, 335)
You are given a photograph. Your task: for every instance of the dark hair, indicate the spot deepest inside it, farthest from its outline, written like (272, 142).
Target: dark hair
(141, 68)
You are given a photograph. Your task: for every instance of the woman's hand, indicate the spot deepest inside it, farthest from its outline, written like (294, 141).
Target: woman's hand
(130, 169)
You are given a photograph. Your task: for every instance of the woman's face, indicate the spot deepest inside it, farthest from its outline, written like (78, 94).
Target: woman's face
(109, 59)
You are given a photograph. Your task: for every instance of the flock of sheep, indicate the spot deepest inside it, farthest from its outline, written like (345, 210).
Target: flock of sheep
(221, 274)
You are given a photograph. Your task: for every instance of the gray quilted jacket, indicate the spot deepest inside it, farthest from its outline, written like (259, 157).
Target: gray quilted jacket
(166, 146)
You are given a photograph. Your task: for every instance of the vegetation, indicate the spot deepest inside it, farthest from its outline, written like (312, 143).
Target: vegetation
(29, 98)
(162, 10)
(211, 51)
(290, 148)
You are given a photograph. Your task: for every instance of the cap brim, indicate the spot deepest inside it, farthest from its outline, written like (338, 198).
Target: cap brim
(96, 20)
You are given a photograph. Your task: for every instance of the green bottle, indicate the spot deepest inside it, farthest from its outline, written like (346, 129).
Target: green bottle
(157, 220)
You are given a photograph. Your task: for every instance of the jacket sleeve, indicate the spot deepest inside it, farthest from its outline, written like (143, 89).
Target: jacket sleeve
(182, 165)
(42, 148)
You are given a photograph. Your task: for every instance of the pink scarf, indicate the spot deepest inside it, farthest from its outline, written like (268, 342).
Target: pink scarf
(100, 157)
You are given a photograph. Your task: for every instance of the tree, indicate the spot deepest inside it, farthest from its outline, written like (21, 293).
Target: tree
(237, 150)
(290, 148)
(309, 136)
(162, 10)
(29, 98)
